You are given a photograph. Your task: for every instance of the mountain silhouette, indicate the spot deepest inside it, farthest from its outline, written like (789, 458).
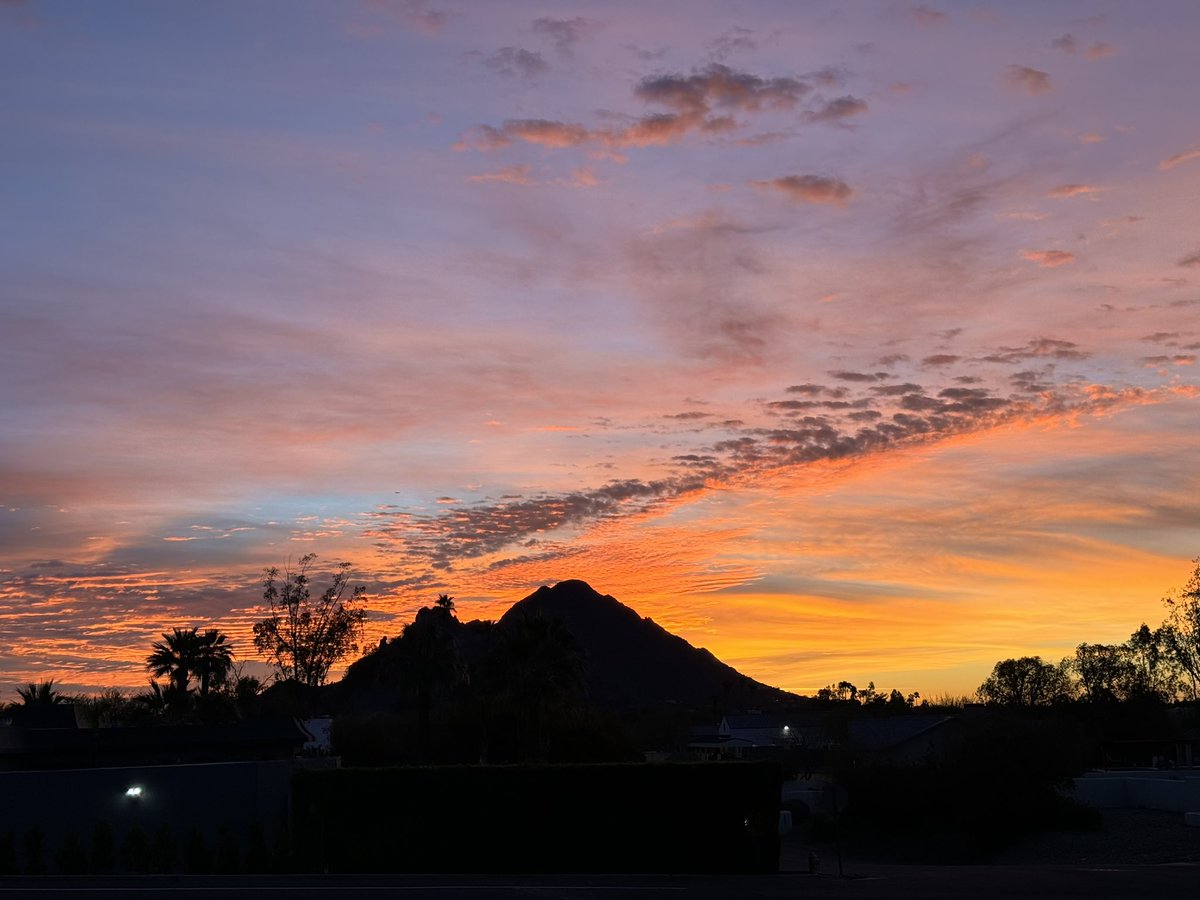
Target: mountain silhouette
(631, 662)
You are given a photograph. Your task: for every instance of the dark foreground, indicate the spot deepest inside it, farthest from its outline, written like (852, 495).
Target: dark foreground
(975, 882)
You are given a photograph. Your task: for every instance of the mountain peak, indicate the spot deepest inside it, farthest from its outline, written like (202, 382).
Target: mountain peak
(631, 661)
(571, 589)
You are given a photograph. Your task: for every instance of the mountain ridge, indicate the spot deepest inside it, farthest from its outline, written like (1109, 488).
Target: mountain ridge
(630, 662)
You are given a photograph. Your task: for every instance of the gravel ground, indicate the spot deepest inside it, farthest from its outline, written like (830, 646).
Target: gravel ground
(1127, 837)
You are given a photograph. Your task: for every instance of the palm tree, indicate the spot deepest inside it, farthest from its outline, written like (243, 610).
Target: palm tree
(213, 660)
(188, 653)
(175, 656)
(41, 693)
(161, 701)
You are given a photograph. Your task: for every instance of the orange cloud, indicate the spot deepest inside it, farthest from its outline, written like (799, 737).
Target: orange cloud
(1049, 259)
(584, 177)
(1073, 190)
(546, 133)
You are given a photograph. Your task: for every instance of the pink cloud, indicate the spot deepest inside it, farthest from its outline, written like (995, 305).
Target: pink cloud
(654, 131)
(584, 177)
(809, 189)
(546, 133)
(1064, 191)
(417, 15)
(508, 175)
(1049, 259)
(924, 15)
(1172, 161)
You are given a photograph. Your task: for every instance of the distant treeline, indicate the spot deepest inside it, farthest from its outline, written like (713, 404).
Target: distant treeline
(1160, 665)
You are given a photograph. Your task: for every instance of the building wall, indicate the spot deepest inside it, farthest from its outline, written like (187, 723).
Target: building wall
(1172, 792)
(236, 795)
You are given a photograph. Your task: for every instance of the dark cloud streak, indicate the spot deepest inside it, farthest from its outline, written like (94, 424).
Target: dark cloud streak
(883, 418)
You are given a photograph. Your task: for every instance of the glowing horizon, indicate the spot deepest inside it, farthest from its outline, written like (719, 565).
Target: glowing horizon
(849, 341)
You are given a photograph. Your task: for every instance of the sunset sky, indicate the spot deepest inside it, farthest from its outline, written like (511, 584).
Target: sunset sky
(849, 340)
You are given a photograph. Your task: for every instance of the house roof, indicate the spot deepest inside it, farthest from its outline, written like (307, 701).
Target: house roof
(871, 734)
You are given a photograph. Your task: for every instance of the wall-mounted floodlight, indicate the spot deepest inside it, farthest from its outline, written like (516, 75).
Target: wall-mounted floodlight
(134, 792)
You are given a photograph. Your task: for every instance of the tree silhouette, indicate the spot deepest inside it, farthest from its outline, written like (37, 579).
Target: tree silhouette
(188, 653)
(213, 660)
(1105, 672)
(1181, 631)
(304, 637)
(162, 701)
(430, 662)
(174, 657)
(541, 667)
(1027, 681)
(1155, 673)
(41, 693)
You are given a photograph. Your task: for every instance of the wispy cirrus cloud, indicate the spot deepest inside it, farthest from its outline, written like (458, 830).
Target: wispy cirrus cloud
(1066, 191)
(564, 34)
(519, 174)
(880, 421)
(1069, 44)
(697, 278)
(415, 15)
(1178, 159)
(734, 40)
